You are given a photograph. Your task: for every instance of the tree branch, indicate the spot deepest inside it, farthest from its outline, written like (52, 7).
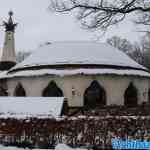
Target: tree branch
(102, 14)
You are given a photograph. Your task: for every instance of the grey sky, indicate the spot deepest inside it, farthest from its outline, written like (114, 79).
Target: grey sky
(37, 25)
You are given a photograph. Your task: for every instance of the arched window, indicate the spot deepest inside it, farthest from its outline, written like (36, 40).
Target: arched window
(149, 95)
(130, 96)
(20, 91)
(52, 90)
(94, 95)
(3, 92)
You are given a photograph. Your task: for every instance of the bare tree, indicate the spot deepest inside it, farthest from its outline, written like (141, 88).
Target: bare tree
(101, 13)
(146, 42)
(139, 51)
(135, 51)
(143, 18)
(21, 55)
(138, 54)
(121, 43)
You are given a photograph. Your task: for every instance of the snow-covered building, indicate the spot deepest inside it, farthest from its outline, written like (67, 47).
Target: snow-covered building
(86, 73)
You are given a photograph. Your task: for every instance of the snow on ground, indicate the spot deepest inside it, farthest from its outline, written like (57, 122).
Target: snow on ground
(15, 148)
(44, 107)
(58, 147)
(65, 147)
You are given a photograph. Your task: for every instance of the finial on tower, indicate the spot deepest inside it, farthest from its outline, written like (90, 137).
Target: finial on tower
(10, 26)
(10, 13)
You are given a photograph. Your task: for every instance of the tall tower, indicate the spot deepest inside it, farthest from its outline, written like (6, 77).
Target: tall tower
(8, 56)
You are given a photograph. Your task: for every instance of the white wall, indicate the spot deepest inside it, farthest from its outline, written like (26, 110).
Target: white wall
(114, 86)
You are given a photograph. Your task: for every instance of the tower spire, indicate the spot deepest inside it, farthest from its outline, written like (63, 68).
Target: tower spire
(10, 26)
(8, 56)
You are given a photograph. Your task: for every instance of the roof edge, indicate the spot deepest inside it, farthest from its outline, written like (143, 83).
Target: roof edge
(76, 66)
(79, 71)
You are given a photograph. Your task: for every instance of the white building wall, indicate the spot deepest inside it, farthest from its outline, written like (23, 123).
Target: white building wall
(74, 87)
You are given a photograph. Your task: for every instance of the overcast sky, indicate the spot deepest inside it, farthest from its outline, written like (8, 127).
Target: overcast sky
(37, 25)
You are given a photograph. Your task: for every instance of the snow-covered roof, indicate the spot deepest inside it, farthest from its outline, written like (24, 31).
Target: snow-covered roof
(95, 53)
(83, 55)
(26, 107)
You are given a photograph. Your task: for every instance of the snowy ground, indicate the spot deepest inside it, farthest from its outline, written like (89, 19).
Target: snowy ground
(58, 147)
